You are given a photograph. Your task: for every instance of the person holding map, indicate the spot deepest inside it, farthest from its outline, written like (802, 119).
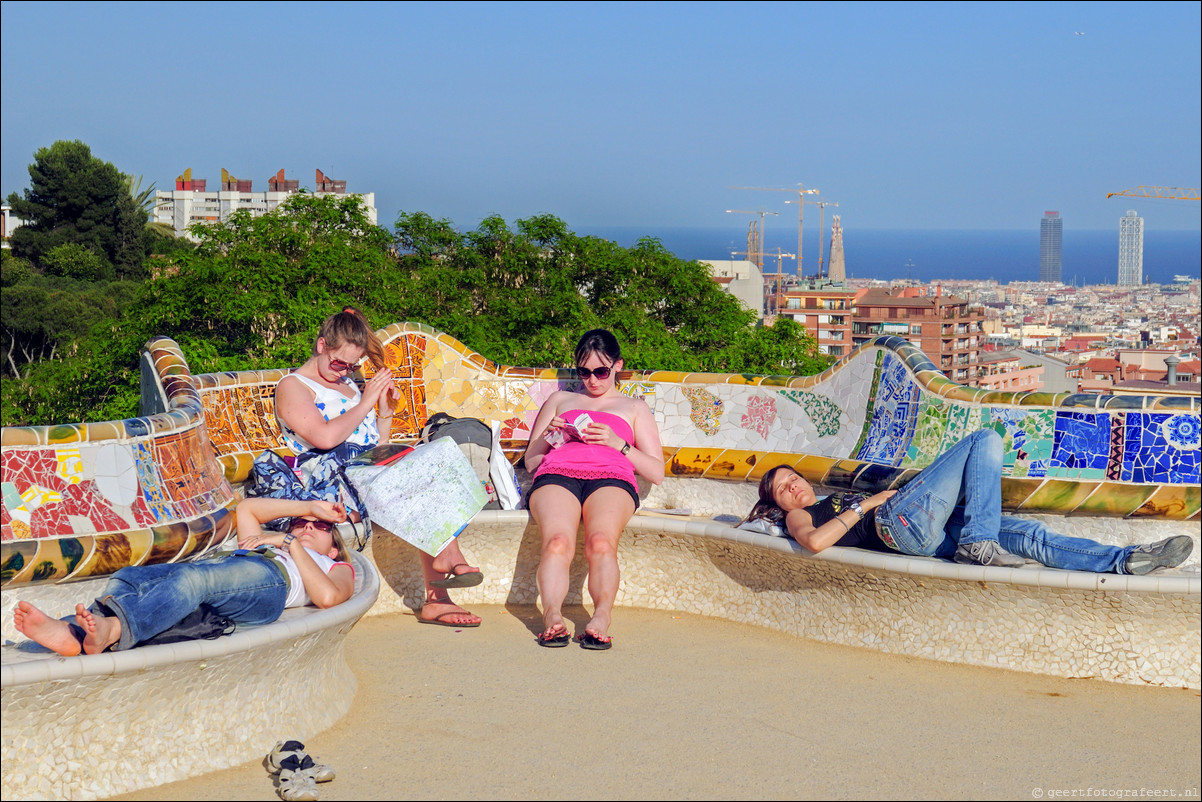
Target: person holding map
(324, 416)
(585, 448)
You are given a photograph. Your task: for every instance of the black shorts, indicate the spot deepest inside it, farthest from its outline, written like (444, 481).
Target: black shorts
(583, 488)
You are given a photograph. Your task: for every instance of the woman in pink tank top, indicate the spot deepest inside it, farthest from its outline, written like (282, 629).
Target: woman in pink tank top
(585, 449)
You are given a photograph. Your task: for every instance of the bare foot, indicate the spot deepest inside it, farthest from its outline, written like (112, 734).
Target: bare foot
(49, 632)
(598, 626)
(100, 631)
(451, 561)
(553, 624)
(448, 612)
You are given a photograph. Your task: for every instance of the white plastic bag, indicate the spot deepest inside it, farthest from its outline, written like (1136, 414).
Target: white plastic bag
(500, 470)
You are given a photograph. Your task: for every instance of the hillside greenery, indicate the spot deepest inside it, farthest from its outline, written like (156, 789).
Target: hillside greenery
(253, 291)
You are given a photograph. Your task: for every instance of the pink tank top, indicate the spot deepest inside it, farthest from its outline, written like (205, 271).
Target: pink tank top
(590, 461)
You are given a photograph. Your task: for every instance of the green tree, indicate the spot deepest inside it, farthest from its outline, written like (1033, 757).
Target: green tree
(75, 198)
(72, 260)
(255, 290)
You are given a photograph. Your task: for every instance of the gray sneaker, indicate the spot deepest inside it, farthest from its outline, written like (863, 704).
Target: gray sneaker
(987, 552)
(1167, 553)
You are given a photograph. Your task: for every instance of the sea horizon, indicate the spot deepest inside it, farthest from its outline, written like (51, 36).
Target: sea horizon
(1089, 256)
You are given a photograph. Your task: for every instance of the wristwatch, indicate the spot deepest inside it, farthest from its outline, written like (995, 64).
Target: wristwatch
(625, 448)
(288, 538)
(855, 505)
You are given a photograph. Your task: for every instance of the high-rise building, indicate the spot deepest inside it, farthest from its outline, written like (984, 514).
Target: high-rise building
(1050, 229)
(1131, 249)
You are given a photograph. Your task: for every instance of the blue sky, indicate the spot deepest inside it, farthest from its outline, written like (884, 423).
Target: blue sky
(910, 115)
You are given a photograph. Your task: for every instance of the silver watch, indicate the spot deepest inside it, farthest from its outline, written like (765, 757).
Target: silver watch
(855, 505)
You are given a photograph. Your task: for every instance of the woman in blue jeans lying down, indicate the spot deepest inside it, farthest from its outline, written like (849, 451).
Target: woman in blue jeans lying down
(951, 509)
(271, 572)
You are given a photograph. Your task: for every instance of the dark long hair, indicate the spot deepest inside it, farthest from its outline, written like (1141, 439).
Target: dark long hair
(767, 508)
(599, 341)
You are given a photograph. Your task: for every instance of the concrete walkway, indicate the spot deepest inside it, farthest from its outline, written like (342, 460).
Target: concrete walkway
(697, 708)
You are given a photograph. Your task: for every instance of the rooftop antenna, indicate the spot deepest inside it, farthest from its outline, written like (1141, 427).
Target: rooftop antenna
(909, 270)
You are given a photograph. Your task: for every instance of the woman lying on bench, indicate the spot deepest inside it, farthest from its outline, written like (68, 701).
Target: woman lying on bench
(270, 572)
(951, 509)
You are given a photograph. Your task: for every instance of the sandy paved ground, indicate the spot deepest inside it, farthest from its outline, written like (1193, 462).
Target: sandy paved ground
(692, 707)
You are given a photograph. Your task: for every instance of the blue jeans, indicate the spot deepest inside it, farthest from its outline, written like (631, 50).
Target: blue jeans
(149, 599)
(958, 499)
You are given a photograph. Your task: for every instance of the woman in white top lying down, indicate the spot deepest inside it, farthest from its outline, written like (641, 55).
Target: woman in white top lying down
(270, 572)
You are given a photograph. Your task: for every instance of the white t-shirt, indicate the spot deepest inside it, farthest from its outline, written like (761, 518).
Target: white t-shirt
(297, 596)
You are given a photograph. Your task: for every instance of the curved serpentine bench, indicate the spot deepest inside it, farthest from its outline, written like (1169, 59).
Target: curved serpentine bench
(82, 500)
(98, 725)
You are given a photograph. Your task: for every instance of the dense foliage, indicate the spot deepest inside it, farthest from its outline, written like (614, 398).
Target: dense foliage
(75, 199)
(255, 289)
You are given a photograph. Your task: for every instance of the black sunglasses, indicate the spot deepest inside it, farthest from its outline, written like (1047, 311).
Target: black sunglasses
(601, 372)
(320, 526)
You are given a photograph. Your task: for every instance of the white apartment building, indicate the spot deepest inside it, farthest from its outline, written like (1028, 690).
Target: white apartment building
(8, 224)
(741, 279)
(191, 201)
(1131, 249)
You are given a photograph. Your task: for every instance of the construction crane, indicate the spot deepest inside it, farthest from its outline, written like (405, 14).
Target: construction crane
(801, 193)
(1168, 193)
(780, 257)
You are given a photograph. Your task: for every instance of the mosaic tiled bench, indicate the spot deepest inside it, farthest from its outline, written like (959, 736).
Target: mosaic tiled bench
(1119, 470)
(99, 725)
(81, 500)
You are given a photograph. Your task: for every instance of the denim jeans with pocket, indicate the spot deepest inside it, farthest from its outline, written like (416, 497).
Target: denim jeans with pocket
(148, 599)
(958, 499)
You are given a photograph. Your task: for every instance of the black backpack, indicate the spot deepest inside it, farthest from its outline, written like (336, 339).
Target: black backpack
(474, 438)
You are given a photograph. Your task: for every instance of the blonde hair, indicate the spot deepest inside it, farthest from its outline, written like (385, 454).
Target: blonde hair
(349, 327)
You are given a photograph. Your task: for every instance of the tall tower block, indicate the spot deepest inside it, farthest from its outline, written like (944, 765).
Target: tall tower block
(1131, 249)
(838, 268)
(1050, 230)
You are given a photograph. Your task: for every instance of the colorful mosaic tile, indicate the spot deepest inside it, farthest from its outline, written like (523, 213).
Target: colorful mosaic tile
(1027, 436)
(895, 410)
(760, 415)
(1160, 449)
(824, 413)
(940, 426)
(635, 389)
(707, 408)
(1081, 447)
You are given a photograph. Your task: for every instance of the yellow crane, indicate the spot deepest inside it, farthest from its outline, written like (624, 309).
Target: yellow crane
(1170, 193)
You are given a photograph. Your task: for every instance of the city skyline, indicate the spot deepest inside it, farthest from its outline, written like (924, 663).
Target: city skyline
(911, 116)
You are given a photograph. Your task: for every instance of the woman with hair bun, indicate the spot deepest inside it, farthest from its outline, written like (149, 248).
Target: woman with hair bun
(585, 449)
(324, 417)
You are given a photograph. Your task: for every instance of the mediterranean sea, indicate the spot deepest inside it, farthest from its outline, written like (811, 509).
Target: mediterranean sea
(1087, 257)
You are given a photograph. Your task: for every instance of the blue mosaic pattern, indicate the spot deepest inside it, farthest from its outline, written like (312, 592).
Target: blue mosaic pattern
(1161, 448)
(894, 415)
(148, 478)
(1082, 446)
(1027, 437)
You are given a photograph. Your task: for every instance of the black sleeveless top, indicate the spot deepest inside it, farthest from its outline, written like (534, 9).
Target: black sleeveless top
(861, 536)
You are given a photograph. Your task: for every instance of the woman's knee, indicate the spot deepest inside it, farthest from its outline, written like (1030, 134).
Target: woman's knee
(559, 545)
(599, 544)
